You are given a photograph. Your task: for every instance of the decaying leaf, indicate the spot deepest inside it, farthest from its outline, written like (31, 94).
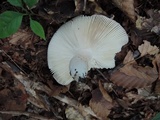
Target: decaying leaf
(97, 9)
(127, 6)
(131, 75)
(23, 37)
(129, 58)
(152, 24)
(134, 76)
(12, 100)
(157, 63)
(147, 48)
(73, 114)
(101, 102)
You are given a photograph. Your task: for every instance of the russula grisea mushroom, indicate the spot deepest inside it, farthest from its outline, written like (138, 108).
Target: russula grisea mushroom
(83, 43)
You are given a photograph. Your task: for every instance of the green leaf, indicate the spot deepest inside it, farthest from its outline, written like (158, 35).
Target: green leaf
(157, 117)
(10, 23)
(37, 28)
(17, 3)
(30, 3)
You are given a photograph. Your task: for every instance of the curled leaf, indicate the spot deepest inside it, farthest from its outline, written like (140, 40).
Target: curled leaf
(152, 24)
(101, 103)
(131, 75)
(147, 48)
(127, 6)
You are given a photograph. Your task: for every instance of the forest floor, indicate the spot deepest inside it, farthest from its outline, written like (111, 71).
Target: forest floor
(130, 91)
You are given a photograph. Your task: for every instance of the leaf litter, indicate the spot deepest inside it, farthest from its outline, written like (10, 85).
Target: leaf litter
(130, 91)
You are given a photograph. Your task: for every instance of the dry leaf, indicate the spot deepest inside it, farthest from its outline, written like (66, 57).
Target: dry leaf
(152, 24)
(127, 6)
(157, 63)
(55, 89)
(24, 37)
(104, 92)
(129, 58)
(97, 9)
(134, 76)
(147, 48)
(20, 36)
(100, 105)
(12, 100)
(73, 114)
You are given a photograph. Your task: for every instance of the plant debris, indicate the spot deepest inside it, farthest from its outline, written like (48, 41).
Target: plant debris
(130, 91)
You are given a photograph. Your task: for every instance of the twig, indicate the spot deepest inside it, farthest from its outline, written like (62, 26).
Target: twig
(102, 75)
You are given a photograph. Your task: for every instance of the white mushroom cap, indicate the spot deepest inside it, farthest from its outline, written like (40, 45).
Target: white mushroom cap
(83, 43)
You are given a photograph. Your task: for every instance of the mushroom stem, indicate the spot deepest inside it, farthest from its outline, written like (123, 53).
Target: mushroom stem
(78, 67)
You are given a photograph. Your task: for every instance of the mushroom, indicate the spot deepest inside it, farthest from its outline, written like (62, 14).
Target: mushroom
(83, 43)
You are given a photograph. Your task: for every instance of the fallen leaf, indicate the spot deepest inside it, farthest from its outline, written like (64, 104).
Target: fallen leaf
(73, 114)
(104, 92)
(127, 6)
(145, 92)
(131, 75)
(147, 48)
(129, 58)
(134, 76)
(56, 89)
(156, 62)
(100, 105)
(12, 101)
(24, 37)
(152, 24)
(97, 9)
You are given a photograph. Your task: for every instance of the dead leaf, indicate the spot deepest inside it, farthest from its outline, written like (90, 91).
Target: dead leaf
(100, 105)
(104, 92)
(56, 89)
(147, 48)
(97, 9)
(20, 36)
(152, 24)
(12, 101)
(73, 114)
(79, 6)
(134, 76)
(127, 6)
(131, 75)
(24, 37)
(156, 62)
(145, 92)
(129, 58)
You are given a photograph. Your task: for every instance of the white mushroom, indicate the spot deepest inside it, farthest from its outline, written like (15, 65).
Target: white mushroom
(83, 43)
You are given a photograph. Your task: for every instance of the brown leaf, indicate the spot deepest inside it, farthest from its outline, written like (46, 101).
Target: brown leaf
(127, 6)
(104, 92)
(152, 24)
(134, 76)
(24, 37)
(73, 114)
(100, 105)
(157, 63)
(147, 48)
(129, 58)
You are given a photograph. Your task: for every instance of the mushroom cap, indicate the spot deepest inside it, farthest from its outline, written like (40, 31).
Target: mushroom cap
(96, 38)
